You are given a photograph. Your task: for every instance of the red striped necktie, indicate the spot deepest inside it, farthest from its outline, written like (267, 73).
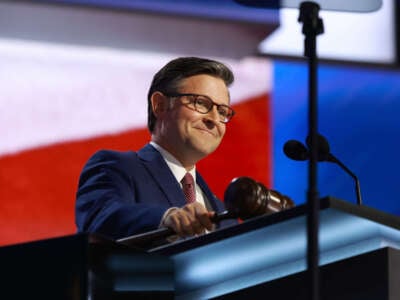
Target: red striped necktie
(188, 188)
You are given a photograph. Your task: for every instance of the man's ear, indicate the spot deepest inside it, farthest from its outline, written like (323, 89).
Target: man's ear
(159, 103)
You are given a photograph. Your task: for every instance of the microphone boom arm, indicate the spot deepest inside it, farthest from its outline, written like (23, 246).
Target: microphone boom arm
(333, 159)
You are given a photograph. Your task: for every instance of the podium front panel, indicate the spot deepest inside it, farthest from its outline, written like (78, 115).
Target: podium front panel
(81, 267)
(274, 246)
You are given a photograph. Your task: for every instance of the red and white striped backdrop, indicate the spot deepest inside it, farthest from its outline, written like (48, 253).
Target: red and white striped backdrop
(59, 104)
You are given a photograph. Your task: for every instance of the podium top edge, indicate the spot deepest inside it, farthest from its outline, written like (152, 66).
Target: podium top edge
(280, 217)
(362, 211)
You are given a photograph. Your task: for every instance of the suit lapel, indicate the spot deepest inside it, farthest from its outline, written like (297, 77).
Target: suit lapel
(162, 175)
(210, 196)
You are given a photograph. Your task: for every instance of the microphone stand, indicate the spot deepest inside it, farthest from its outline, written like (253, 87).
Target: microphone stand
(312, 26)
(333, 159)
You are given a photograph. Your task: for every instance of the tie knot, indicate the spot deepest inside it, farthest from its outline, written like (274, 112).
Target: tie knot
(187, 179)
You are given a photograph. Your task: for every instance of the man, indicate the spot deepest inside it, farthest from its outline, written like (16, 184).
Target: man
(126, 193)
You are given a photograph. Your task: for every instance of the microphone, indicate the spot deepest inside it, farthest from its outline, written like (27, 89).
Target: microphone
(297, 151)
(324, 151)
(244, 198)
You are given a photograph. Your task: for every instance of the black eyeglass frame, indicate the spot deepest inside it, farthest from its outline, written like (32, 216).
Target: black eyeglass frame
(194, 101)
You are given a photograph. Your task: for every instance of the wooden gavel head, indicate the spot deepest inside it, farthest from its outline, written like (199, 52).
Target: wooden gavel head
(247, 198)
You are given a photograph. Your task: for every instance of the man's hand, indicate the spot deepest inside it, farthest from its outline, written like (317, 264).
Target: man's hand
(191, 219)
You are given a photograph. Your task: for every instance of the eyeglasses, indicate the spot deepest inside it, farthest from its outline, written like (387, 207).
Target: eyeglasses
(204, 105)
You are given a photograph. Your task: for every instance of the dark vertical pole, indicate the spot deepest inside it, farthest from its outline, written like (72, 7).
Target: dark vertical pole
(312, 26)
(312, 197)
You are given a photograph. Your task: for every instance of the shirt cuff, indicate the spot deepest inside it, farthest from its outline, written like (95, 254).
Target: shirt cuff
(165, 215)
(174, 237)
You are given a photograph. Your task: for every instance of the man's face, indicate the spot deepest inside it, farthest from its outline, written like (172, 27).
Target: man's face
(186, 133)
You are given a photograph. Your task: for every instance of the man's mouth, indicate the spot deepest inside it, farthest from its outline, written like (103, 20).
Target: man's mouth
(205, 130)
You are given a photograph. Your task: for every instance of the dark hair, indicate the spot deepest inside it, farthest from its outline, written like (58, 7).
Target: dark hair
(167, 80)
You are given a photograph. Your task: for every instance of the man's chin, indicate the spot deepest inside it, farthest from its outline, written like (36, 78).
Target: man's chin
(206, 150)
(203, 147)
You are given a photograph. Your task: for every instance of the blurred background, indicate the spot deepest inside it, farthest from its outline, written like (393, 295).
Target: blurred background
(74, 78)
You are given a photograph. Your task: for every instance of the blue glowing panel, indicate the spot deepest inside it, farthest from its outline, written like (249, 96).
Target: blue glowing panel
(140, 272)
(359, 112)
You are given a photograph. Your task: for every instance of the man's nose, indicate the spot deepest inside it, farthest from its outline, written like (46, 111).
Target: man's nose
(213, 115)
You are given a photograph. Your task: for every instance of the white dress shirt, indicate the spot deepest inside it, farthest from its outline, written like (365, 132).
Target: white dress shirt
(179, 172)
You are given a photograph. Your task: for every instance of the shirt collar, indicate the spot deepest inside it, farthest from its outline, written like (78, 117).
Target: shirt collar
(175, 166)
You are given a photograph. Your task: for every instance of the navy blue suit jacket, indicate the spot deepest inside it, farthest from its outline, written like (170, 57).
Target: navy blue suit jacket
(126, 193)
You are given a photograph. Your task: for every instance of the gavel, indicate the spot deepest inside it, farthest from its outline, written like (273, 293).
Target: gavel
(244, 198)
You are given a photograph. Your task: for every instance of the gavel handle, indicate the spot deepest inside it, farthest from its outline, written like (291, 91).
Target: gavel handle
(146, 238)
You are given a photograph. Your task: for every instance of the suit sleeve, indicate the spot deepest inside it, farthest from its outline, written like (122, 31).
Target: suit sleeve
(107, 202)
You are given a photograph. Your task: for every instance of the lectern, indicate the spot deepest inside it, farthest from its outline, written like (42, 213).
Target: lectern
(262, 258)
(82, 267)
(267, 256)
